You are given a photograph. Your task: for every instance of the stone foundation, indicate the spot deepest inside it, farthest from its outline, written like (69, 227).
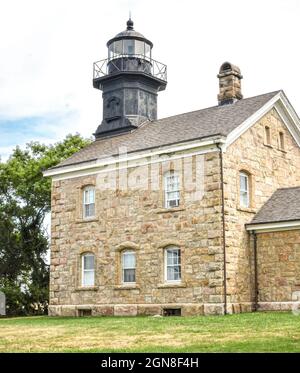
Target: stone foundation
(279, 306)
(187, 309)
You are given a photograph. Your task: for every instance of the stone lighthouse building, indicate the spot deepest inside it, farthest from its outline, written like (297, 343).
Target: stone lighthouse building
(198, 213)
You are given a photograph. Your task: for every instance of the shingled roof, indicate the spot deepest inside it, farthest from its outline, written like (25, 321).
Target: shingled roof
(200, 124)
(284, 205)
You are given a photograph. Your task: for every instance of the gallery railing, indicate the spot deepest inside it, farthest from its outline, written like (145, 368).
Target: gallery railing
(128, 63)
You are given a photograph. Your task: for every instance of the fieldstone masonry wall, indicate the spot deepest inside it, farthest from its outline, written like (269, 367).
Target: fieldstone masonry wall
(278, 259)
(269, 168)
(135, 219)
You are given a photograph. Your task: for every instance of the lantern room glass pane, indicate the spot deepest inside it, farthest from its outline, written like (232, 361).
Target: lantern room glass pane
(128, 46)
(111, 51)
(115, 49)
(147, 50)
(139, 47)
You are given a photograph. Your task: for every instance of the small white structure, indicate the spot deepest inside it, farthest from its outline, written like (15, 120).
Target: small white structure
(2, 304)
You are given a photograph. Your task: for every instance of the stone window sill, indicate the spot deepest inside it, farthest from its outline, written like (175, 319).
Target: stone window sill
(170, 209)
(82, 220)
(87, 288)
(268, 146)
(126, 287)
(282, 151)
(246, 209)
(171, 285)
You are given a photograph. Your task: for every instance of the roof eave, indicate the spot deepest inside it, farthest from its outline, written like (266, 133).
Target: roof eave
(168, 148)
(274, 226)
(285, 111)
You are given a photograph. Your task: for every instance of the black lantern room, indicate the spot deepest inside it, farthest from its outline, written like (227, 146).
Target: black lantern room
(130, 80)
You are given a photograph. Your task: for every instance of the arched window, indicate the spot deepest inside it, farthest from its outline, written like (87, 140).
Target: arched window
(128, 267)
(267, 135)
(281, 141)
(172, 264)
(244, 189)
(172, 189)
(88, 269)
(89, 202)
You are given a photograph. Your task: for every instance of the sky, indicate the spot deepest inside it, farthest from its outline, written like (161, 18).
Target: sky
(48, 47)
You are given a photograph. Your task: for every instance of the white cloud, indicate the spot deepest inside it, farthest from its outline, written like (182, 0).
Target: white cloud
(47, 49)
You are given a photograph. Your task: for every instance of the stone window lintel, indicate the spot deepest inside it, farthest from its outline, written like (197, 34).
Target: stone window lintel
(127, 246)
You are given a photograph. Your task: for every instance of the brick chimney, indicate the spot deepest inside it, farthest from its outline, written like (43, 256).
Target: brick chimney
(229, 84)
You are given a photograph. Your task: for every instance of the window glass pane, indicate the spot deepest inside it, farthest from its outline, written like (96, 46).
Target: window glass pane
(89, 210)
(244, 199)
(173, 195)
(88, 261)
(243, 182)
(110, 51)
(129, 275)
(88, 278)
(281, 140)
(267, 135)
(129, 260)
(117, 47)
(139, 47)
(177, 274)
(173, 274)
(170, 274)
(173, 268)
(91, 196)
(172, 192)
(147, 50)
(128, 46)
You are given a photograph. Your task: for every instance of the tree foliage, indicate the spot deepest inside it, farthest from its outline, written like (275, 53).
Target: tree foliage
(25, 200)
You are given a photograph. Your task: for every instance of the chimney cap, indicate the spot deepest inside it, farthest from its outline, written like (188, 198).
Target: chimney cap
(228, 68)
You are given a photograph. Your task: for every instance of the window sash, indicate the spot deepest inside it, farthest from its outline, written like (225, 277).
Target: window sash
(89, 202)
(172, 190)
(281, 141)
(128, 267)
(244, 190)
(88, 270)
(172, 265)
(129, 275)
(268, 135)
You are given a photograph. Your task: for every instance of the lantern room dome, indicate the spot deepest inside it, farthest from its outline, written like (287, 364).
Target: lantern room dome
(129, 42)
(130, 34)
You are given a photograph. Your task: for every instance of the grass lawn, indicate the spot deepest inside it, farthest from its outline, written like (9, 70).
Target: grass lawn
(252, 332)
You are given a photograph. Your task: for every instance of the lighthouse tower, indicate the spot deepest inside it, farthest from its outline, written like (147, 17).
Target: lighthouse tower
(130, 80)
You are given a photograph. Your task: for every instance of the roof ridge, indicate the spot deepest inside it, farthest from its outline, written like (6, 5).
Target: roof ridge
(216, 106)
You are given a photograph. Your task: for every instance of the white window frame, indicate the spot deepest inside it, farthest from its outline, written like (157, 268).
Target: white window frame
(83, 270)
(172, 248)
(88, 203)
(168, 200)
(244, 192)
(126, 252)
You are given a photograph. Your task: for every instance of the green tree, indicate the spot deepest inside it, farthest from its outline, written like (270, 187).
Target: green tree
(25, 200)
